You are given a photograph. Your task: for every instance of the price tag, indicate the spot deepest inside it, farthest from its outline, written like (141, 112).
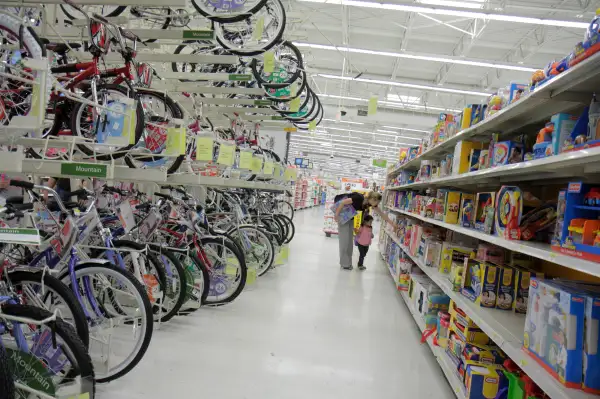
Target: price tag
(256, 164)
(279, 259)
(125, 213)
(85, 395)
(230, 269)
(226, 153)
(269, 167)
(286, 252)
(293, 89)
(251, 276)
(312, 125)
(130, 122)
(245, 159)
(277, 172)
(204, 149)
(372, 106)
(259, 28)
(119, 124)
(35, 99)
(269, 62)
(176, 141)
(295, 104)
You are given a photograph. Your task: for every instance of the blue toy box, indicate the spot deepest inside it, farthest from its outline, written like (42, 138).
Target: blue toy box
(554, 329)
(563, 127)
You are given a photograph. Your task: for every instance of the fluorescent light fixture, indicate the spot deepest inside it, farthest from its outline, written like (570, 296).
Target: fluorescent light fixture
(402, 137)
(336, 121)
(403, 99)
(457, 13)
(363, 132)
(475, 4)
(391, 104)
(409, 129)
(407, 85)
(431, 58)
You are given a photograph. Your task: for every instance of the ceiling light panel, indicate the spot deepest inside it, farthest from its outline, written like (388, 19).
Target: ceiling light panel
(474, 4)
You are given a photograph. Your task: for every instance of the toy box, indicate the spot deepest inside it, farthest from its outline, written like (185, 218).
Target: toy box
(469, 335)
(487, 354)
(467, 210)
(506, 288)
(480, 283)
(563, 127)
(507, 152)
(490, 253)
(580, 233)
(462, 155)
(412, 153)
(484, 381)
(433, 252)
(516, 91)
(452, 253)
(474, 160)
(523, 276)
(440, 204)
(509, 210)
(452, 207)
(462, 318)
(554, 329)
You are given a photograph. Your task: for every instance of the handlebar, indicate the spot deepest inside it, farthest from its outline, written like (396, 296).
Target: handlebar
(30, 186)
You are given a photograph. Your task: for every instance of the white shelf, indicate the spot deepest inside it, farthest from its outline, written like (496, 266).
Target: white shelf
(568, 164)
(197, 180)
(567, 91)
(505, 329)
(536, 249)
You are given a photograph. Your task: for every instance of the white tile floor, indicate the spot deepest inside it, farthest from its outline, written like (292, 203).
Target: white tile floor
(306, 330)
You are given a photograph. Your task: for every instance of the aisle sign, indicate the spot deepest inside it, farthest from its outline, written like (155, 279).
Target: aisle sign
(269, 167)
(256, 164)
(24, 236)
(84, 169)
(269, 62)
(226, 154)
(295, 104)
(205, 34)
(245, 159)
(204, 149)
(176, 141)
(372, 105)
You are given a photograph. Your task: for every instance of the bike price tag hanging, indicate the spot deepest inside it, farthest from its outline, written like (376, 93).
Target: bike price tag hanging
(295, 105)
(125, 213)
(245, 159)
(117, 125)
(268, 169)
(176, 141)
(259, 28)
(256, 164)
(204, 149)
(226, 154)
(277, 172)
(268, 62)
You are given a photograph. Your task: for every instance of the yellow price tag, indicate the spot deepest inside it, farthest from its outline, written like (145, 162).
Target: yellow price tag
(85, 395)
(204, 149)
(312, 125)
(259, 28)
(35, 100)
(269, 167)
(277, 172)
(372, 106)
(251, 276)
(294, 174)
(269, 62)
(279, 259)
(131, 122)
(294, 89)
(295, 105)
(256, 164)
(226, 153)
(230, 270)
(176, 141)
(285, 252)
(245, 160)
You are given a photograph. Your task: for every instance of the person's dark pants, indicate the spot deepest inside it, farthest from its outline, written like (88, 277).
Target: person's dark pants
(362, 250)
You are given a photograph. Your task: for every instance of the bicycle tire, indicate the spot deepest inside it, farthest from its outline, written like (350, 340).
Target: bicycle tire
(120, 152)
(83, 361)
(256, 69)
(199, 266)
(235, 18)
(291, 229)
(289, 204)
(242, 264)
(117, 11)
(81, 323)
(271, 260)
(7, 384)
(174, 262)
(103, 268)
(176, 113)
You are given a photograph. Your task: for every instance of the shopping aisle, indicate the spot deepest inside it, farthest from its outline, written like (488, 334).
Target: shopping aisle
(306, 330)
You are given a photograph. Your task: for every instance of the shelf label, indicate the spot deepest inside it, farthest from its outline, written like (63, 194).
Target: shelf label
(239, 76)
(84, 169)
(256, 164)
(269, 167)
(245, 160)
(25, 236)
(204, 149)
(176, 141)
(277, 118)
(269, 62)
(199, 34)
(262, 102)
(291, 129)
(226, 153)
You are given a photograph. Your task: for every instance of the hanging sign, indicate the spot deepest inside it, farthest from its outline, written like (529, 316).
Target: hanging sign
(204, 149)
(226, 154)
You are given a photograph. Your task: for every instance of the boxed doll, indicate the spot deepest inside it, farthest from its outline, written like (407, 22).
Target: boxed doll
(506, 288)
(480, 283)
(554, 330)
(452, 207)
(523, 276)
(452, 253)
(484, 381)
(462, 156)
(484, 212)
(467, 211)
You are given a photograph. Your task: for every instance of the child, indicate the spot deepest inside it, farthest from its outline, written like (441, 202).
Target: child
(363, 239)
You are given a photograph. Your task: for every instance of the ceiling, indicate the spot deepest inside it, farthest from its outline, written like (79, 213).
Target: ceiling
(419, 58)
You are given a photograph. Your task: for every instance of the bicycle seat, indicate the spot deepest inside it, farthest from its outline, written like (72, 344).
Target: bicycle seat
(21, 207)
(14, 200)
(62, 48)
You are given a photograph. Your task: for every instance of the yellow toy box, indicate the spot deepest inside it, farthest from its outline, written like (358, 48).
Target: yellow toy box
(483, 381)
(470, 335)
(480, 283)
(523, 276)
(462, 154)
(506, 288)
(452, 207)
(454, 254)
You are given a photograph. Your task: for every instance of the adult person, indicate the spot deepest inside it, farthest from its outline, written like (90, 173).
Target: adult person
(346, 230)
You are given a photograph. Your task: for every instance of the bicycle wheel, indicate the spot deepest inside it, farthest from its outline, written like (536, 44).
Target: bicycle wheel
(47, 292)
(286, 208)
(197, 277)
(227, 11)
(7, 385)
(121, 312)
(177, 281)
(289, 227)
(85, 123)
(105, 11)
(258, 248)
(56, 361)
(227, 270)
